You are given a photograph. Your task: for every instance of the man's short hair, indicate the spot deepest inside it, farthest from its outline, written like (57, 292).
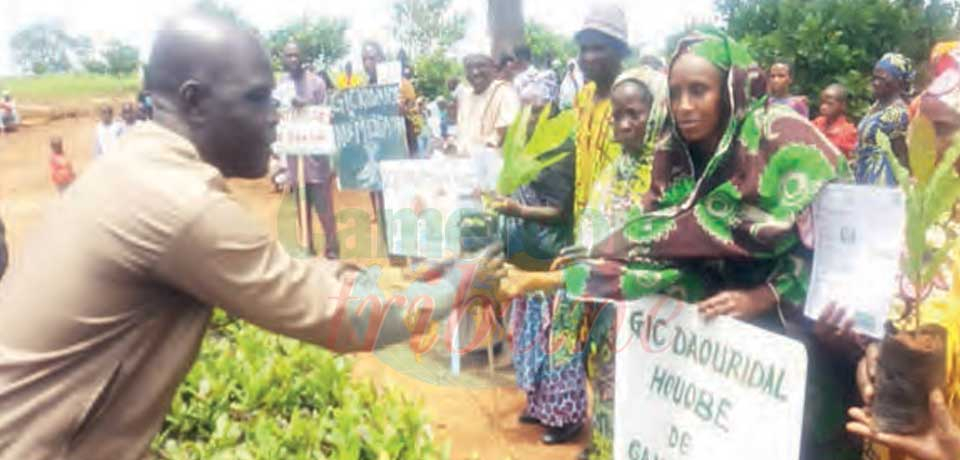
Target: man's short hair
(523, 53)
(505, 60)
(480, 57)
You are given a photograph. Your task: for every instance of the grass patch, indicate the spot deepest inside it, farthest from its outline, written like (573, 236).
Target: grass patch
(70, 89)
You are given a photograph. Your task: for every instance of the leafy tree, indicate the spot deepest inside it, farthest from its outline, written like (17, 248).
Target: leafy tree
(425, 26)
(830, 41)
(547, 45)
(42, 48)
(223, 10)
(674, 38)
(321, 40)
(121, 58)
(433, 71)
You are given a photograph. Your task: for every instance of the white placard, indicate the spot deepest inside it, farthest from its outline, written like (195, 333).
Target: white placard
(305, 131)
(858, 233)
(424, 200)
(692, 390)
(389, 73)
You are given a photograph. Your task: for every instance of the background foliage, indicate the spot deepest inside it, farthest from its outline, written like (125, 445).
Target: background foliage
(432, 72)
(427, 26)
(831, 41)
(322, 40)
(255, 395)
(44, 48)
(548, 46)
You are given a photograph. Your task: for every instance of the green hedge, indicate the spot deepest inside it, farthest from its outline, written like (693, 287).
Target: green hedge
(255, 395)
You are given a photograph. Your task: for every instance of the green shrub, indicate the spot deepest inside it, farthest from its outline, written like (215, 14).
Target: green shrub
(255, 395)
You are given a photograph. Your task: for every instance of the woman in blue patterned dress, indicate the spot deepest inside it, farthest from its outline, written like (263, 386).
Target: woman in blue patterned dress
(888, 115)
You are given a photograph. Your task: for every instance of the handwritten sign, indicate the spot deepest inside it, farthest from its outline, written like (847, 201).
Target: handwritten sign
(305, 131)
(858, 233)
(687, 389)
(368, 129)
(425, 201)
(389, 73)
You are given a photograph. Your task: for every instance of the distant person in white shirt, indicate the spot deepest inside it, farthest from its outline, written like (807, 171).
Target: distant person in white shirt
(486, 108)
(108, 131)
(571, 85)
(130, 116)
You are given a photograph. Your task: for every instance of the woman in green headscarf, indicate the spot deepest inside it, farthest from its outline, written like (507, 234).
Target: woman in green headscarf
(718, 225)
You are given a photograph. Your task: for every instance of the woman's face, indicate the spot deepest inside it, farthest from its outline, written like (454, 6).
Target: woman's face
(696, 98)
(883, 84)
(631, 109)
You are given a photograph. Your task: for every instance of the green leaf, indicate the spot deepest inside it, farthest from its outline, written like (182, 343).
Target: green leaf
(921, 139)
(934, 263)
(916, 235)
(551, 133)
(523, 160)
(943, 189)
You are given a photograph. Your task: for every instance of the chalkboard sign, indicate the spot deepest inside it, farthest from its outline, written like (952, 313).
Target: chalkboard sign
(368, 128)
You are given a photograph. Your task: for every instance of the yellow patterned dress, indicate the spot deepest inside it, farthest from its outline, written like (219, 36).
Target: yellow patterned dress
(595, 146)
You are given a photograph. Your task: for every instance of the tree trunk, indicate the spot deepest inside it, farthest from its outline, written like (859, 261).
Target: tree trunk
(505, 25)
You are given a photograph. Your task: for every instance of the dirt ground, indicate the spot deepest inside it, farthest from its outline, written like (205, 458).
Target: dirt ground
(477, 415)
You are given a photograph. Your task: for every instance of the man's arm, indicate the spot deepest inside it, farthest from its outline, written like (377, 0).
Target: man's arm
(225, 259)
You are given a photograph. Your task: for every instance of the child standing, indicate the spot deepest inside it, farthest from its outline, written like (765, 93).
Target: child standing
(107, 133)
(778, 86)
(61, 170)
(833, 122)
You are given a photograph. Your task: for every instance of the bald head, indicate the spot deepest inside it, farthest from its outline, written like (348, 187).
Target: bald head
(212, 83)
(199, 47)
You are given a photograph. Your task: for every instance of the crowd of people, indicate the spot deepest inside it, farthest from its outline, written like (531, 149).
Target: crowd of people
(691, 177)
(666, 195)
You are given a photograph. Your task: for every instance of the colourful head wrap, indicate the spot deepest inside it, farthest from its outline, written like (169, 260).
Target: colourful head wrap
(898, 66)
(945, 55)
(746, 82)
(656, 83)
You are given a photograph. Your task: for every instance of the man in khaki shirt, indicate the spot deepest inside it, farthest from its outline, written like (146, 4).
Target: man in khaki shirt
(103, 317)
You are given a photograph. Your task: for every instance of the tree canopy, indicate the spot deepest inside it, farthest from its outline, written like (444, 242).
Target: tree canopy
(120, 58)
(322, 40)
(426, 26)
(547, 46)
(828, 41)
(432, 73)
(44, 47)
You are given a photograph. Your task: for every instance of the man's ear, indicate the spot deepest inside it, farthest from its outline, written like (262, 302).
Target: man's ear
(191, 94)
